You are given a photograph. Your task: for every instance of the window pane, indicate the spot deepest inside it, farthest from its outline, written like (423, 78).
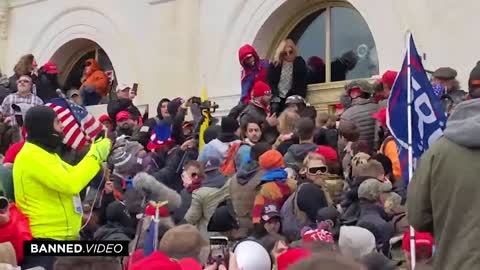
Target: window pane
(353, 50)
(309, 35)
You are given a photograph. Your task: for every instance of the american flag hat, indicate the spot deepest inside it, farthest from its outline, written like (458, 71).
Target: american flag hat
(161, 136)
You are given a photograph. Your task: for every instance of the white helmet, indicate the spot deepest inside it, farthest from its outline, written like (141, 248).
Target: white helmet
(252, 256)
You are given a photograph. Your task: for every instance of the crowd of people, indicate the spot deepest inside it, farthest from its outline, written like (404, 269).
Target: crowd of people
(289, 187)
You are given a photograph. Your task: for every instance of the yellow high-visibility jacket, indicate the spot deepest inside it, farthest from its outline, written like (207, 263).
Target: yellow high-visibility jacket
(46, 190)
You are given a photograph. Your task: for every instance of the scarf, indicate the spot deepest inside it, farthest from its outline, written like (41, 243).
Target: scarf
(196, 183)
(261, 106)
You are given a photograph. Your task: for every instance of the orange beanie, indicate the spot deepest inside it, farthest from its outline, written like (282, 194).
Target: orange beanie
(271, 159)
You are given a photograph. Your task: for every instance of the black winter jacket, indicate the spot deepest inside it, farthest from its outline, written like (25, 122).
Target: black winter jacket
(299, 82)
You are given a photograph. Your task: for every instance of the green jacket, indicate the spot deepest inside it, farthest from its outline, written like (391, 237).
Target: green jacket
(6, 181)
(444, 193)
(46, 190)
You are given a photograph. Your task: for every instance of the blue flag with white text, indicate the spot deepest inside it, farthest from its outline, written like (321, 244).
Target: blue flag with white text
(427, 114)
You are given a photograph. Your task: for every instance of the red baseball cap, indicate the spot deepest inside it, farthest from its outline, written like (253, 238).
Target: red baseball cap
(423, 243)
(122, 116)
(260, 89)
(381, 117)
(104, 118)
(50, 68)
(328, 153)
(389, 77)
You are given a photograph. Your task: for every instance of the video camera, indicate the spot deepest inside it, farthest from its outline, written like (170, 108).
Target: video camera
(211, 106)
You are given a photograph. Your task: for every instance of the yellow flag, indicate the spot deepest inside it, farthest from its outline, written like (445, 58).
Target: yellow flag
(206, 121)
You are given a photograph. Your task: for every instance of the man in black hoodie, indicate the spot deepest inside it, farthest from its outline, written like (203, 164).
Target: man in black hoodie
(295, 155)
(243, 187)
(120, 225)
(145, 131)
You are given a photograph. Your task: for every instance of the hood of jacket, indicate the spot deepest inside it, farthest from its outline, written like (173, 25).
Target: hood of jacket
(463, 126)
(93, 66)
(246, 50)
(278, 174)
(113, 231)
(214, 179)
(299, 151)
(247, 172)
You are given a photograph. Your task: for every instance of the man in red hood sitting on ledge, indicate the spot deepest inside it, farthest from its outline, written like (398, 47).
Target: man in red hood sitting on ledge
(254, 70)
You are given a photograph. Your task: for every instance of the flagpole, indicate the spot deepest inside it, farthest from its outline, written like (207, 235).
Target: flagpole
(410, 149)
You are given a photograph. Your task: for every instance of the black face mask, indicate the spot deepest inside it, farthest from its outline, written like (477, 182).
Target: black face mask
(126, 131)
(52, 142)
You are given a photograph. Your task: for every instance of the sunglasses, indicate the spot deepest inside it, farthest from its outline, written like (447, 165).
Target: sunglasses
(24, 81)
(318, 170)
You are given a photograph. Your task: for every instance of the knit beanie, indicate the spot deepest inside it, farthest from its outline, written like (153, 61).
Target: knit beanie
(474, 79)
(271, 159)
(229, 124)
(39, 122)
(124, 157)
(260, 89)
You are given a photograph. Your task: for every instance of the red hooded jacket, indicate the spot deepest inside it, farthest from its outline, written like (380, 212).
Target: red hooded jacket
(16, 231)
(251, 75)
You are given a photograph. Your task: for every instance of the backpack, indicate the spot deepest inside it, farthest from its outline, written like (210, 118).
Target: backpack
(228, 167)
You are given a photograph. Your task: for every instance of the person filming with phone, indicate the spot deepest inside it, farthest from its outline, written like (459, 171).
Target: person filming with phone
(259, 111)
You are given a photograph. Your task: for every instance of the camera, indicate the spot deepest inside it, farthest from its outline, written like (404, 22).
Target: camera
(3, 204)
(204, 105)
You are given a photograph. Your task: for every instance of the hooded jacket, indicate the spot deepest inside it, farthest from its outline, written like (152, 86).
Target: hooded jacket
(360, 113)
(251, 75)
(243, 187)
(443, 193)
(47, 188)
(97, 78)
(205, 201)
(114, 232)
(255, 113)
(16, 231)
(297, 153)
(216, 149)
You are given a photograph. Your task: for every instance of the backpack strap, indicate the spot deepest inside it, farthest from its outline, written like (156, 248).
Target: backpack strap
(384, 144)
(296, 210)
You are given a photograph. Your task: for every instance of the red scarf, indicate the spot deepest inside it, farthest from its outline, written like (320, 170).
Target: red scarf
(196, 182)
(261, 106)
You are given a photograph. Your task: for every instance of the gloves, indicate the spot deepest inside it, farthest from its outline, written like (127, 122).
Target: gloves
(100, 149)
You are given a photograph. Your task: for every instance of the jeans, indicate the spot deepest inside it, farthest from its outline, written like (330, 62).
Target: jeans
(90, 98)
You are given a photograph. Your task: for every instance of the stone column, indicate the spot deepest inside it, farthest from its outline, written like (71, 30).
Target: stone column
(3, 33)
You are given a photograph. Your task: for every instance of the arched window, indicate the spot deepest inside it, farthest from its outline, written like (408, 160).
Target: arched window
(337, 44)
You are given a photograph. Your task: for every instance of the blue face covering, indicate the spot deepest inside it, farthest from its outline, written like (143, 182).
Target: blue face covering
(129, 182)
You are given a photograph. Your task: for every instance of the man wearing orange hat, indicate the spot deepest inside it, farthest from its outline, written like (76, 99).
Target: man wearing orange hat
(275, 186)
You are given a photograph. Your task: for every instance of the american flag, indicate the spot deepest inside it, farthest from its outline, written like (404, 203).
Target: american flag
(79, 126)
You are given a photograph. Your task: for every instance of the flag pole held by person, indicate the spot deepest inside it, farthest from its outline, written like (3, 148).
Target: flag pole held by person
(413, 94)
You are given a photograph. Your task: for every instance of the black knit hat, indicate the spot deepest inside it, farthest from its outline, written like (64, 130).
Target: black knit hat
(39, 122)
(229, 124)
(474, 79)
